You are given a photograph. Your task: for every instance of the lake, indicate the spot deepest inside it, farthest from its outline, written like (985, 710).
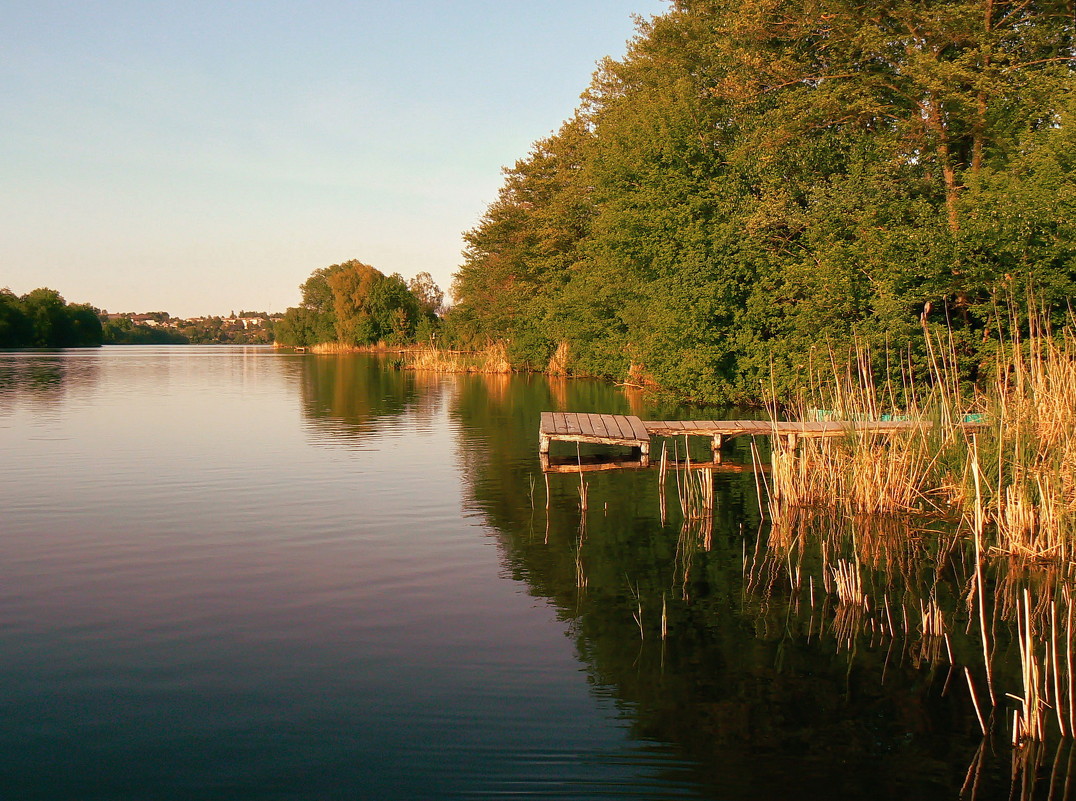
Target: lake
(234, 572)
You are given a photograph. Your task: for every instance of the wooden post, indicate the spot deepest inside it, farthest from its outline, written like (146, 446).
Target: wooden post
(543, 444)
(716, 447)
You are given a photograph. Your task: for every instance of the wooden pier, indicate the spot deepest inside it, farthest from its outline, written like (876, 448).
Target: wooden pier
(603, 429)
(630, 431)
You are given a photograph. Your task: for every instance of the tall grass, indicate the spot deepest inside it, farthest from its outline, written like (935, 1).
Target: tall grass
(1013, 478)
(493, 359)
(558, 362)
(1007, 485)
(1029, 458)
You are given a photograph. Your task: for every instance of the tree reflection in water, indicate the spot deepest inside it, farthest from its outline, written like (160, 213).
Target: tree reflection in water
(806, 655)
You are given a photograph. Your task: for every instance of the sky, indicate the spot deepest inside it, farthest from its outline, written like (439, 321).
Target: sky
(205, 157)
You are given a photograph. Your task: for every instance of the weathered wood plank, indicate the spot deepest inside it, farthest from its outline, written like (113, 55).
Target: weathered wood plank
(622, 425)
(599, 425)
(639, 430)
(587, 464)
(547, 425)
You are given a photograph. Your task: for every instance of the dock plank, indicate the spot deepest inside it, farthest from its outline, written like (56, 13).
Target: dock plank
(621, 424)
(639, 430)
(601, 427)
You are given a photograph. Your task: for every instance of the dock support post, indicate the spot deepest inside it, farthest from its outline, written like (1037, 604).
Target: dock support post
(716, 447)
(543, 444)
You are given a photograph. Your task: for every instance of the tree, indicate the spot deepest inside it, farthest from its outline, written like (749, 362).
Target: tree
(15, 327)
(761, 179)
(354, 304)
(524, 248)
(42, 319)
(427, 293)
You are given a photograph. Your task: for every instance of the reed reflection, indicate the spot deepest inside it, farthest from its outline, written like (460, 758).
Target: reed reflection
(699, 619)
(999, 628)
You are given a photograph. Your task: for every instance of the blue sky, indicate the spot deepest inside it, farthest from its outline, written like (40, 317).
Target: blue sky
(203, 157)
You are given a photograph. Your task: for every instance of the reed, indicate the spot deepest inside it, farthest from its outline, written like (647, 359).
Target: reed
(493, 359)
(558, 362)
(340, 347)
(1033, 448)
(637, 612)
(696, 493)
(1002, 458)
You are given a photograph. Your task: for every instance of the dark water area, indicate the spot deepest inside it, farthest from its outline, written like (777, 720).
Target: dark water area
(229, 572)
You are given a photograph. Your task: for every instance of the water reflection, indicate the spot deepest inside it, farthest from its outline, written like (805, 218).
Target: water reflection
(333, 621)
(811, 655)
(347, 399)
(43, 379)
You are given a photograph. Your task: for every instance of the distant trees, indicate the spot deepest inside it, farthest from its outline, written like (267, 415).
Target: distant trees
(43, 319)
(355, 304)
(125, 331)
(761, 180)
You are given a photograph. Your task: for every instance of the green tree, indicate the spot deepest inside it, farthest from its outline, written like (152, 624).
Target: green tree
(15, 328)
(758, 182)
(46, 310)
(354, 304)
(371, 307)
(42, 319)
(524, 249)
(428, 295)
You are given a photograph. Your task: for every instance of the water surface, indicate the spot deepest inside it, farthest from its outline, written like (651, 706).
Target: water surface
(238, 573)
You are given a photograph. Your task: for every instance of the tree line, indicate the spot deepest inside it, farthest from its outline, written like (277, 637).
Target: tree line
(43, 319)
(758, 182)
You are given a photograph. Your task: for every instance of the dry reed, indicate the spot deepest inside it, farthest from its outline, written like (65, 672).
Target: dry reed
(558, 362)
(1004, 459)
(491, 360)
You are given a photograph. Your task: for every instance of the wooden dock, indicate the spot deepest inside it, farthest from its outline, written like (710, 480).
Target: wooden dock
(630, 431)
(603, 429)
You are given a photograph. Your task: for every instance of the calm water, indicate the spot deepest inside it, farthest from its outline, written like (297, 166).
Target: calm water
(232, 573)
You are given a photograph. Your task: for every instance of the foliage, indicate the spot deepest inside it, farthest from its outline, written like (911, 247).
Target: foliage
(125, 331)
(758, 182)
(353, 304)
(43, 319)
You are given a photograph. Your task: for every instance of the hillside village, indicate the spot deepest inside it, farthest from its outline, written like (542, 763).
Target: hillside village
(159, 327)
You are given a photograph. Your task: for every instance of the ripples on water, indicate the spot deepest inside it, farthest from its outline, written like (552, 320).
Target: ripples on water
(234, 573)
